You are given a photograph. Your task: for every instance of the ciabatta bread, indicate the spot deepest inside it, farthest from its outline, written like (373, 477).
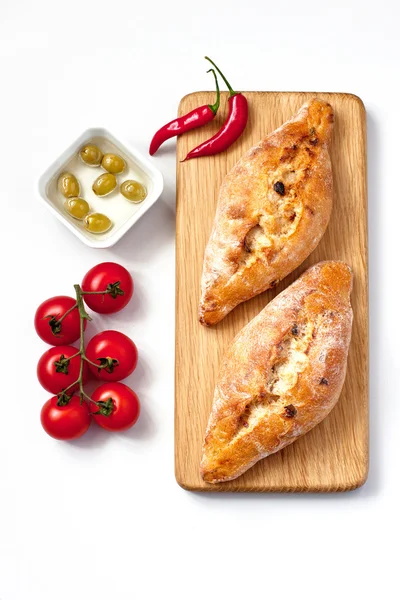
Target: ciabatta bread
(282, 374)
(273, 209)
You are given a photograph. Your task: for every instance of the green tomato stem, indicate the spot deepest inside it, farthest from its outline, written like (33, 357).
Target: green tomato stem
(82, 353)
(67, 313)
(81, 307)
(85, 395)
(90, 362)
(71, 384)
(82, 316)
(94, 293)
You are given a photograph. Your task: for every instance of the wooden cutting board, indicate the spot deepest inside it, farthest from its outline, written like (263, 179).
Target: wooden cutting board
(334, 455)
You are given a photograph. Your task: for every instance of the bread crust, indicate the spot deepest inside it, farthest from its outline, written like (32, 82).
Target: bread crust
(283, 373)
(273, 209)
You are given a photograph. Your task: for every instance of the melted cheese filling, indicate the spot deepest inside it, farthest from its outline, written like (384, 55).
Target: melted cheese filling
(292, 359)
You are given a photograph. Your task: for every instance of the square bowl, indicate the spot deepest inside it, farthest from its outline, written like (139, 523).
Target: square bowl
(122, 213)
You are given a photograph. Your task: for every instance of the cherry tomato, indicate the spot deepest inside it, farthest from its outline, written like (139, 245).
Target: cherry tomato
(119, 404)
(108, 276)
(47, 321)
(116, 351)
(66, 422)
(56, 372)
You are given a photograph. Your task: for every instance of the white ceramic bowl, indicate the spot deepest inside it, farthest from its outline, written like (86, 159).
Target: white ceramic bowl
(123, 213)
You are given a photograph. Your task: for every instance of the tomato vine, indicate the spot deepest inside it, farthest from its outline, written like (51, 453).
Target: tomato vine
(63, 397)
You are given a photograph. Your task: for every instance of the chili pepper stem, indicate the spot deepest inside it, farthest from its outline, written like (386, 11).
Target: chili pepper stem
(214, 107)
(228, 85)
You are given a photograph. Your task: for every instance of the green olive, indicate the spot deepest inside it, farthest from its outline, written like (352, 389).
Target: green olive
(77, 208)
(133, 191)
(91, 155)
(104, 184)
(97, 223)
(68, 185)
(113, 163)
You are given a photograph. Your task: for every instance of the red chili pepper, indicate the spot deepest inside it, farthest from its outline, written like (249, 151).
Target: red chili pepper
(196, 118)
(231, 129)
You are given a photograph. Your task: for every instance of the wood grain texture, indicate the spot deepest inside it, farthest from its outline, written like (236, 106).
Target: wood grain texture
(334, 455)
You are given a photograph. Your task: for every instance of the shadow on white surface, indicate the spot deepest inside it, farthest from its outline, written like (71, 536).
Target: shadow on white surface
(93, 438)
(157, 228)
(376, 342)
(136, 310)
(167, 149)
(96, 436)
(145, 427)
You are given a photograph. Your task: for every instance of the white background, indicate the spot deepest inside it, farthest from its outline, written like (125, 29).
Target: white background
(103, 517)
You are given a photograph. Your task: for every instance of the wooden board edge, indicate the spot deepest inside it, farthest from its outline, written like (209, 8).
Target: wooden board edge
(349, 486)
(366, 399)
(349, 95)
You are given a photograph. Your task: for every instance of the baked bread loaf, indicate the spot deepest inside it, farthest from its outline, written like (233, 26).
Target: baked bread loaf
(282, 374)
(273, 209)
